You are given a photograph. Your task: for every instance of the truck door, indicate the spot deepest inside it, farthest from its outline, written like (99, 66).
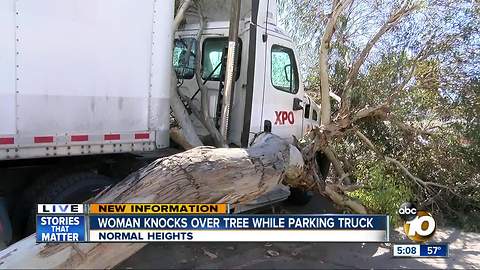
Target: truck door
(282, 91)
(311, 115)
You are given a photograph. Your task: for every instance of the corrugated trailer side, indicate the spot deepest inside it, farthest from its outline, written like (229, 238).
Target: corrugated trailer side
(82, 77)
(7, 70)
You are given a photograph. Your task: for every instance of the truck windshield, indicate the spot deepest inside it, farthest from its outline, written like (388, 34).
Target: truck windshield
(184, 55)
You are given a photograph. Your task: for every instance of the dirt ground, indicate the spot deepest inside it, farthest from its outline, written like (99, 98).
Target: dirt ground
(464, 252)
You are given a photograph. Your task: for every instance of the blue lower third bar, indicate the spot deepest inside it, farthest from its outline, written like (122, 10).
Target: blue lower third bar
(434, 250)
(60, 228)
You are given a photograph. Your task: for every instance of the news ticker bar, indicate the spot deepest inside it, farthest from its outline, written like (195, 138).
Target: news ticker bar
(420, 250)
(133, 208)
(198, 223)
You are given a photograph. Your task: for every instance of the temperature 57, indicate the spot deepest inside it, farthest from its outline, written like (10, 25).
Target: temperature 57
(433, 250)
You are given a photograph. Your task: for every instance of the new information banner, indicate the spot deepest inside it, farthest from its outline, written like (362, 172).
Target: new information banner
(199, 223)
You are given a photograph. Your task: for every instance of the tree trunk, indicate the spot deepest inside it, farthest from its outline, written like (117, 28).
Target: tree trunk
(177, 136)
(200, 175)
(181, 115)
(337, 9)
(187, 131)
(205, 105)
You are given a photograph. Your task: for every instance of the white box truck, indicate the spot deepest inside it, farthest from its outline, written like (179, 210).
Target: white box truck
(85, 88)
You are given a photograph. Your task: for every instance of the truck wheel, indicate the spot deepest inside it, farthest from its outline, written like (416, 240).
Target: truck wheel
(301, 197)
(73, 188)
(323, 164)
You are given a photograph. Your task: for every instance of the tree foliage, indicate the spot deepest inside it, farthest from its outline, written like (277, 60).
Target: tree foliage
(425, 67)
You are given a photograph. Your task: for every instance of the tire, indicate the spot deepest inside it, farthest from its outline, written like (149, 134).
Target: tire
(73, 188)
(302, 197)
(323, 164)
(299, 197)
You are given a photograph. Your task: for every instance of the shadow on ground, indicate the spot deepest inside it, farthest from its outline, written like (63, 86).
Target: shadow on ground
(464, 251)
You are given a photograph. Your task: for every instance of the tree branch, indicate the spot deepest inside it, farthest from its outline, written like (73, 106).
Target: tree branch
(405, 171)
(323, 61)
(408, 128)
(400, 88)
(343, 200)
(181, 115)
(206, 120)
(337, 165)
(177, 106)
(393, 19)
(181, 14)
(177, 136)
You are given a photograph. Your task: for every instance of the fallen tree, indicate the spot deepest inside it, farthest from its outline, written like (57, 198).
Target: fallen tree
(200, 175)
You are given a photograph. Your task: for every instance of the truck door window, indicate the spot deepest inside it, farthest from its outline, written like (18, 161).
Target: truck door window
(307, 111)
(212, 57)
(284, 73)
(314, 115)
(184, 55)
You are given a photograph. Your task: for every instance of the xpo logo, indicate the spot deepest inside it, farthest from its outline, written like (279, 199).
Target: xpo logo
(283, 117)
(419, 225)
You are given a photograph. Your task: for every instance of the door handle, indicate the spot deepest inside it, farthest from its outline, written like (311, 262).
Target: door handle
(297, 104)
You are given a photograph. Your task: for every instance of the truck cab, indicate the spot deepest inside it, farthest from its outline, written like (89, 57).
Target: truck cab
(268, 92)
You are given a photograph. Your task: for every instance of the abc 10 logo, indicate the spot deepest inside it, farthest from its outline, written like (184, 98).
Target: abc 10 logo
(419, 225)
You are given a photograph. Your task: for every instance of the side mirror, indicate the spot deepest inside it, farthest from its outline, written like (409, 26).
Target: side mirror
(297, 104)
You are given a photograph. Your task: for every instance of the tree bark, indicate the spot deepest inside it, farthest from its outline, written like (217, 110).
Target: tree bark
(181, 114)
(200, 175)
(205, 105)
(323, 61)
(338, 199)
(177, 136)
(181, 14)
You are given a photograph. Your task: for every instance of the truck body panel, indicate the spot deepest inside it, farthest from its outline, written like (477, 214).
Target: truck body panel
(84, 73)
(7, 67)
